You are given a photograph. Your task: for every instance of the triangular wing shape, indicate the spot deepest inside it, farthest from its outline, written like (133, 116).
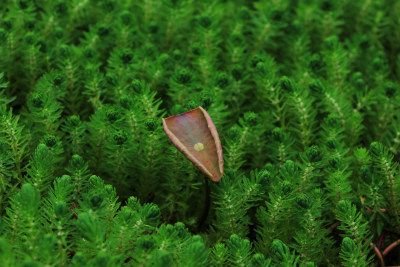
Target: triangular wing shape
(194, 134)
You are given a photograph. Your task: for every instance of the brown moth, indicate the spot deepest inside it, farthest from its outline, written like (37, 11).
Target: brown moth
(194, 134)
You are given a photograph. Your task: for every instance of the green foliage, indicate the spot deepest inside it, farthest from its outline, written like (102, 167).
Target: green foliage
(305, 97)
(351, 253)
(356, 232)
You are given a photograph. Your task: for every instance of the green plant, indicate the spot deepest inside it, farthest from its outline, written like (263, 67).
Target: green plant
(305, 98)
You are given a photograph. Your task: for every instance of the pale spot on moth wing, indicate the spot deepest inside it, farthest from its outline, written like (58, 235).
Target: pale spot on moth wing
(199, 147)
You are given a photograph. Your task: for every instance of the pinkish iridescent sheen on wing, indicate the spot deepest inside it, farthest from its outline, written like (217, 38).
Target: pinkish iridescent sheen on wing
(194, 129)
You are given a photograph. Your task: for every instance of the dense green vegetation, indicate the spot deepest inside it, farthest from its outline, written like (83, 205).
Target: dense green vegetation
(305, 96)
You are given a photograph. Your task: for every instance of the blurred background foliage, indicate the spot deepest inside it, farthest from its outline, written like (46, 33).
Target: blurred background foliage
(305, 97)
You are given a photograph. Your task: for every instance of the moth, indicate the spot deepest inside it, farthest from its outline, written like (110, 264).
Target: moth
(194, 134)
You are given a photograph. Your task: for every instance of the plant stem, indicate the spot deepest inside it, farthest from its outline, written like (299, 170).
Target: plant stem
(206, 209)
(390, 247)
(378, 254)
